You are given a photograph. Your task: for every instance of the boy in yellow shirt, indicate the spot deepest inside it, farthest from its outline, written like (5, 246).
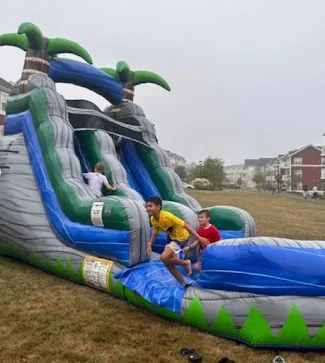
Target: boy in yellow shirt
(178, 232)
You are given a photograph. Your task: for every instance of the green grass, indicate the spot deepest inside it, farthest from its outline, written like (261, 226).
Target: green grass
(47, 319)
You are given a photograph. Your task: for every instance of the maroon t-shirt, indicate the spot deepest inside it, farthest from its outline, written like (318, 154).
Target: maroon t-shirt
(211, 233)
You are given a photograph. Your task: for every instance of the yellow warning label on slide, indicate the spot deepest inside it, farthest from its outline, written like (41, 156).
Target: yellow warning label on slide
(96, 272)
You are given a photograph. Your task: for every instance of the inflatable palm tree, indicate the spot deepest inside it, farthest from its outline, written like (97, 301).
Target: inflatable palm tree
(130, 79)
(39, 50)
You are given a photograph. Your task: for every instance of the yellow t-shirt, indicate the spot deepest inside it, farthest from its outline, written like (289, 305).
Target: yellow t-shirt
(171, 225)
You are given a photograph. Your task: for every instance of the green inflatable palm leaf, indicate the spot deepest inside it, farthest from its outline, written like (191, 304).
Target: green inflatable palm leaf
(14, 40)
(34, 35)
(124, 72)
(60, 45)
(141, 77)
(125, 75)
(29, 36)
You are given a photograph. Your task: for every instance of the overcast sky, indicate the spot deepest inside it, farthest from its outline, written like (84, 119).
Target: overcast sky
(247, 76)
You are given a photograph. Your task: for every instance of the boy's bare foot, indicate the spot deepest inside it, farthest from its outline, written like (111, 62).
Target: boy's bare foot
(188, 267)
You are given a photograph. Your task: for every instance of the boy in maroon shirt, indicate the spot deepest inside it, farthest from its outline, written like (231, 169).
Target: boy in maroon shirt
(206, 230)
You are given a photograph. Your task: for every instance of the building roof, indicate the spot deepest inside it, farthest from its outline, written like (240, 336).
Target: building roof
(234, 166)
(296, 151)
(258, 162)
(175, 156)
(4, 85)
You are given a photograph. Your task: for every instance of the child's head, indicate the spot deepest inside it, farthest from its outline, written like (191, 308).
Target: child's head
(154, 205)
(99, 168)
(204, 217)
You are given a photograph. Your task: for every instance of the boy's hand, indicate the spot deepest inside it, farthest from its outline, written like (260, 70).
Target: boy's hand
(149, 249)
(186, 249)
(204, 241)
(114, 187)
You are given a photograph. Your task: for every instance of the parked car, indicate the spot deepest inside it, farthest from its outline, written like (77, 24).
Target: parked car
(187, 186)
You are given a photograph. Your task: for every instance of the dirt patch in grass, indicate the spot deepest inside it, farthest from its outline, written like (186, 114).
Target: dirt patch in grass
(45, 319)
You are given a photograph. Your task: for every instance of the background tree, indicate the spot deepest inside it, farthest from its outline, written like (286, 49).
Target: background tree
(239, 182)
(295, 179)
(39, 50)
(278, 180)
(193, 171)
(181, 171)
(212, 169)
(259, 178)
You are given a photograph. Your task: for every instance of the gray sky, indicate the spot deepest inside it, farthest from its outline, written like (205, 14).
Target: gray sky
(247, 76)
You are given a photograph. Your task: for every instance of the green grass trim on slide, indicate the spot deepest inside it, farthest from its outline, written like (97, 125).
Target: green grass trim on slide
(256, 328)
(75, 209)
(294, 331)
(223, 324)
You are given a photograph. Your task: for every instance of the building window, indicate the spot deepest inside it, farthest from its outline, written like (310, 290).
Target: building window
(297, 161)
(298, 173)
(323, 161)
(323, 174)
(4, 99)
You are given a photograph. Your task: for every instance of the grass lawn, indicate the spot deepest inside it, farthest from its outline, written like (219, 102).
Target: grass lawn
(45, 319)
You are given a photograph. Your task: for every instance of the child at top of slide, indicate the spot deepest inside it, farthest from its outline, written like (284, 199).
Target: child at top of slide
(96, 180)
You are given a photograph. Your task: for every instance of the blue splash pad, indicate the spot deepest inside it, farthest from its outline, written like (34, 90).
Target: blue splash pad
(155, 283)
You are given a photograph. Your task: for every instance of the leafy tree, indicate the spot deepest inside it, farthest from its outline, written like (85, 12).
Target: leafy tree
(130, 78)
(212, 169)
(295, 179)
(259, 178)
(278, 180)
(181, 171)
(39, 50)
(193, 171)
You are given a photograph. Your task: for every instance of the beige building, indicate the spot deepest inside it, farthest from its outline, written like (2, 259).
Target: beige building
(175, 160)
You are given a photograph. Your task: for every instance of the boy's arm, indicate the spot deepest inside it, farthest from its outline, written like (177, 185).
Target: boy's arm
(151, 242)
(152, 239)
(191, 246)
(108, 185)
(200, 239)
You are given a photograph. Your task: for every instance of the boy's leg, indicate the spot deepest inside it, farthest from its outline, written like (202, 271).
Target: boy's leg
(170, 261)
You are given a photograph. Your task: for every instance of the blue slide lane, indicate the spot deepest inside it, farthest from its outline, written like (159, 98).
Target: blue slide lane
(132, 181)
(108, 243)
(138, 170)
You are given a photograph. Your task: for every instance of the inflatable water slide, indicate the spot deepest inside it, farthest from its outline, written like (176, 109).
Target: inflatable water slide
(263, 291)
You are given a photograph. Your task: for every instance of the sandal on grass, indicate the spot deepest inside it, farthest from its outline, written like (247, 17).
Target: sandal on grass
(194, 357)
(185, 351)
(226, 360)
